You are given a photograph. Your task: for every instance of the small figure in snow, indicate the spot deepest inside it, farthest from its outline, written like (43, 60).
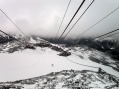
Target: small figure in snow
(99, 70)
(52, 65)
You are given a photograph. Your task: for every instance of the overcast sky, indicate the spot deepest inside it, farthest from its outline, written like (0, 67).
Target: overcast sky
(43, 17)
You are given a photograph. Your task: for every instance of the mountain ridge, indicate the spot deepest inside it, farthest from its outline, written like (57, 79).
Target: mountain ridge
(68, 79)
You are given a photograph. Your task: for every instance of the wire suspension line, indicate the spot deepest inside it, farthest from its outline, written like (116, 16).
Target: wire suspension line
(98, 22)
(78, 19)
(63, 18)
(13, 22)
(72, 18)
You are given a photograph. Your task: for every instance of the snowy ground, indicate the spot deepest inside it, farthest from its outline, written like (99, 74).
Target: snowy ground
(31, 63)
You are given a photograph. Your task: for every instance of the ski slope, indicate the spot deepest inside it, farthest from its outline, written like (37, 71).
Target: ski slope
(31, 63)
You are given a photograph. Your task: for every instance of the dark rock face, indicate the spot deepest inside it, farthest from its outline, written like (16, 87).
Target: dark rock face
(65, 53)
(43, 44)
(5, 39)
(29, 46)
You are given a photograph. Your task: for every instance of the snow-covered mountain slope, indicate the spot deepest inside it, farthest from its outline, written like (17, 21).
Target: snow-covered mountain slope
(107, 45)
(28, 63)
(68, 79)
(95, 56)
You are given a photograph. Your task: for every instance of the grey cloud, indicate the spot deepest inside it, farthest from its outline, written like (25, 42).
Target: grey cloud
(43, 17)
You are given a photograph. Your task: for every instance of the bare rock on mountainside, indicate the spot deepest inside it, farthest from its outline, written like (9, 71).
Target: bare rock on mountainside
(67, 79)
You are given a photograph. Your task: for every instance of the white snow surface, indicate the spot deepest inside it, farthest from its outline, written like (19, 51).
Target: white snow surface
(31, 63)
